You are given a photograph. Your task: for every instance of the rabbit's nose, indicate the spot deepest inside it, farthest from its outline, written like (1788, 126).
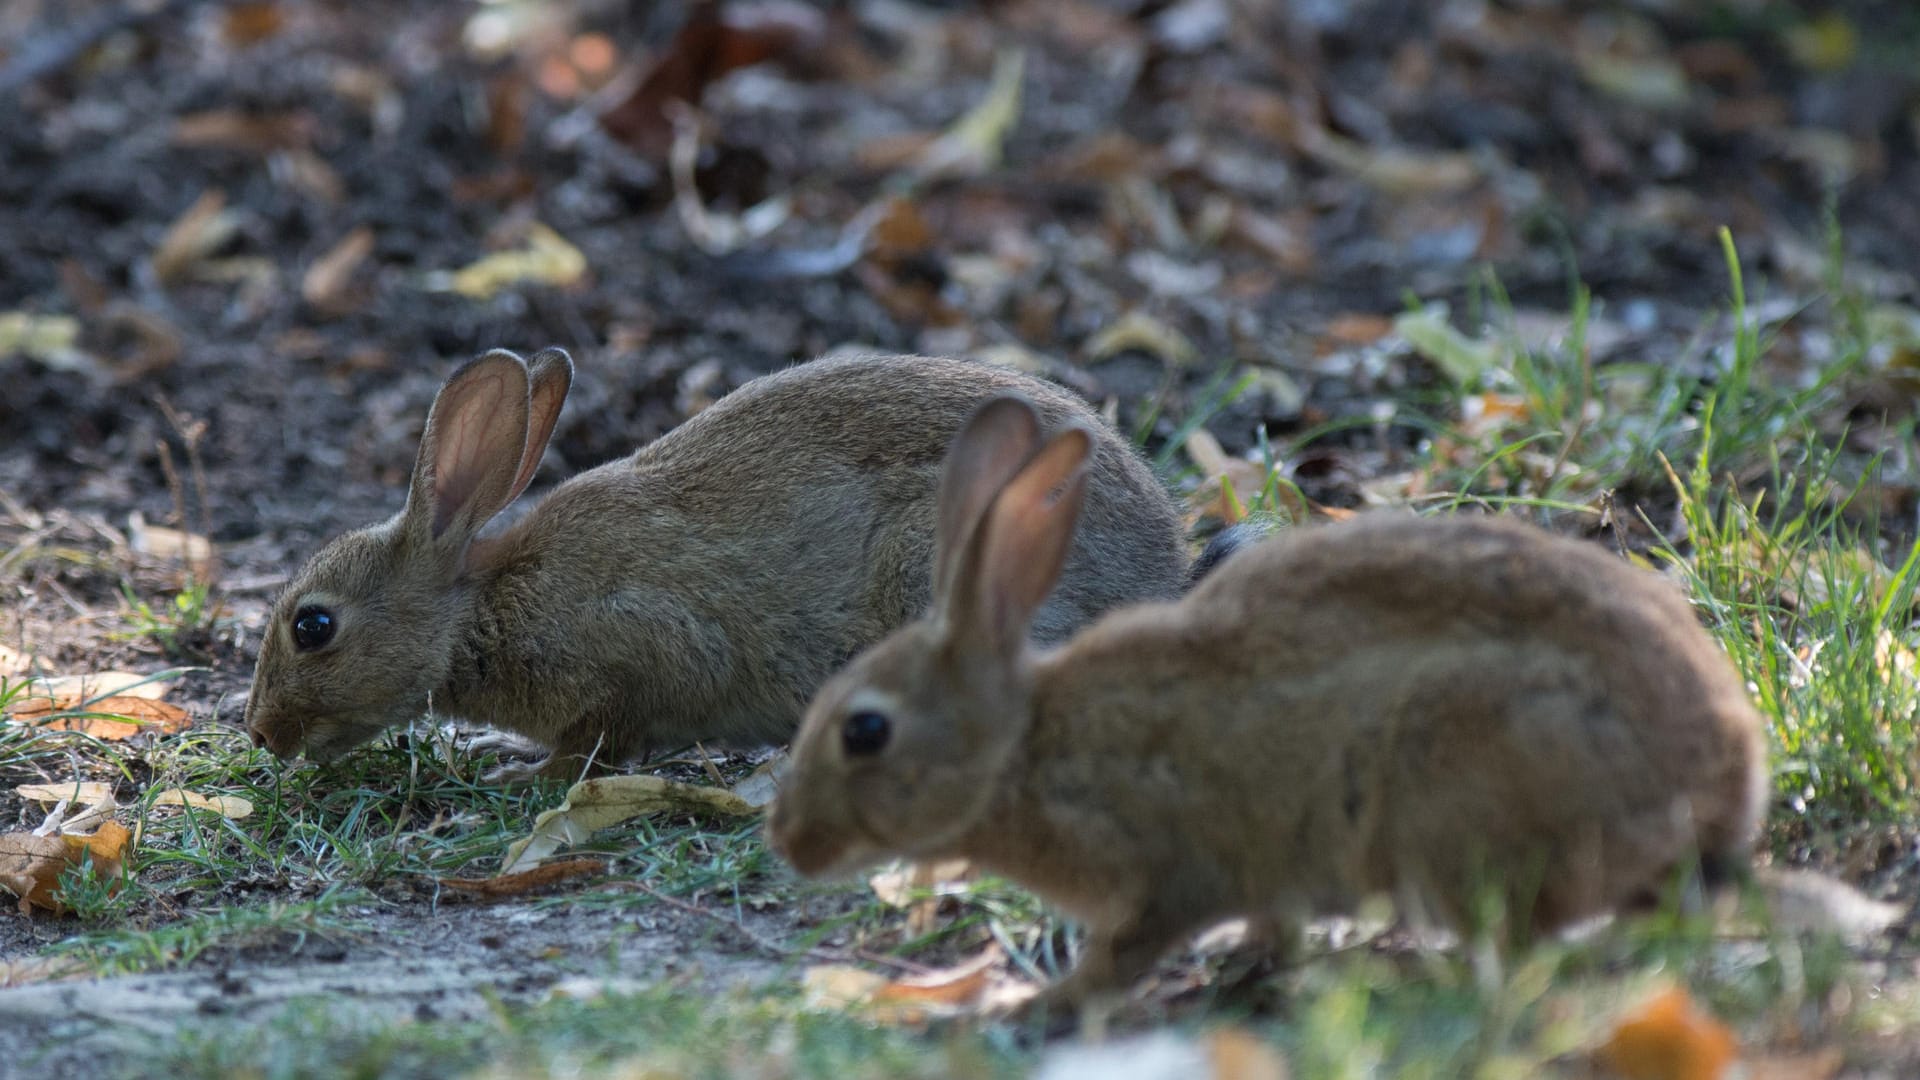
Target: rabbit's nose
(259, 740)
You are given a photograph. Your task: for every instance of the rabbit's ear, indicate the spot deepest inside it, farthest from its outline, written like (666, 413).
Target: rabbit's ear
(1020, 546)
(551, 375)
(470, 454)
(995, 442)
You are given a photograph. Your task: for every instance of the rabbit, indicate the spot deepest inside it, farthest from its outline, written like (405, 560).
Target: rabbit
(701, 588)
(1402, 706)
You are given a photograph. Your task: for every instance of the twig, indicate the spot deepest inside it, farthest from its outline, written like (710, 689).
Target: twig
(774, 948)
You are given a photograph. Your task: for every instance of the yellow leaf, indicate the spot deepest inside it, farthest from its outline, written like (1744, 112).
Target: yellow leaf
(972, 145)
(232, 807)
(547, 259)
(30, 866)
(1139, 330)
(77, 792)
(609, 800)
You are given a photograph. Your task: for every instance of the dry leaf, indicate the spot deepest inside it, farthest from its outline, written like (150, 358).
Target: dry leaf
(30, 866)
(526, 881)
(1668, 1038)
(1244, 478)
(609, 800)
(77, 792)
(547, 259)
(1394, 170)
(759, 787)
(162, 542)
(198, 233)
(716, 39)
(906, 883)
(1139, 330)
(980, 985)
(234, 129)
(251, 23)
(114, 718)
(232, 807)
(1222, 1054)
(42, 969)
(78, 689)
(325, 283)
(972, 145)
(50, 339)
(1459, 357)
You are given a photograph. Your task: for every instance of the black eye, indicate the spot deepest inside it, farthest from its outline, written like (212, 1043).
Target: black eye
(312, 628)
(865, 733)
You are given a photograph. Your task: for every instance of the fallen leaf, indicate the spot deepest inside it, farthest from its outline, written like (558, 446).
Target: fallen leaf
(1243, 478)
(35, 969)
(232, 807)
(1459, 357)
(1222, 1054)
(325, 283)
(972, 146)
(78, 792)
(30, 865)
(106, 705)
(251, 23)
(1139, 330)
(197, 233)
(80, 689)
(716, 38)
(907, 883)
(1238, 1054)
(526, 881)
(1669, 1038)
(162, 542)
(254, 133)
(759, 787)
(1394, 170)
(1481, 414)
(979, 985)
(547, 259)
(50, 339)
(1818, 1065)
(592, 805)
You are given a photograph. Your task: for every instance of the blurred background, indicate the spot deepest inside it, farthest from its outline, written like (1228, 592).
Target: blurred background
(241, 243)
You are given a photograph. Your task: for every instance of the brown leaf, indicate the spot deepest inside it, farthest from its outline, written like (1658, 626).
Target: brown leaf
(325, 283)
(30, 866)
(200, 231)
(524, 882)
(251, 23)
(979, 985)
(113, 716)
(716, 38)
(77, 792)
(173, 545)
(253, 133)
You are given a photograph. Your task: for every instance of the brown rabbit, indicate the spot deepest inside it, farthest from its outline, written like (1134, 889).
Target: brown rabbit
(702, 588)
(1422, 708)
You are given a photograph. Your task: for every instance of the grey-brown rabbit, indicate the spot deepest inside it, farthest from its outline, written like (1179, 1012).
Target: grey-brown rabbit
(1417, 707)
(702, 588)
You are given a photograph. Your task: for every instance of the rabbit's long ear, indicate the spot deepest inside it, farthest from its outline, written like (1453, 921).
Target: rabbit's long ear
(995, 442)
(1020, 546)
(551, 375)
(471, 451)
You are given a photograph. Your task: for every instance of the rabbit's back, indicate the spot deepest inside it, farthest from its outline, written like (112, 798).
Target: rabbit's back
(1421, 705)
(788, 451)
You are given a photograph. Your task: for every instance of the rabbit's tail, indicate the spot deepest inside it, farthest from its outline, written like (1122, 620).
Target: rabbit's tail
(1803, 901)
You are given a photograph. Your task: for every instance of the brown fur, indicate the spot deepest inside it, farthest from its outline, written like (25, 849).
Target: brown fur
(702, 588)
(1422, 708)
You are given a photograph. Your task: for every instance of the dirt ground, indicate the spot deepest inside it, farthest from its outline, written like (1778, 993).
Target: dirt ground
(1265, 188)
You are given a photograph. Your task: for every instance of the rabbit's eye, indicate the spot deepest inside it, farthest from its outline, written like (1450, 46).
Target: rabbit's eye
(865, 733)
(312, 628)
